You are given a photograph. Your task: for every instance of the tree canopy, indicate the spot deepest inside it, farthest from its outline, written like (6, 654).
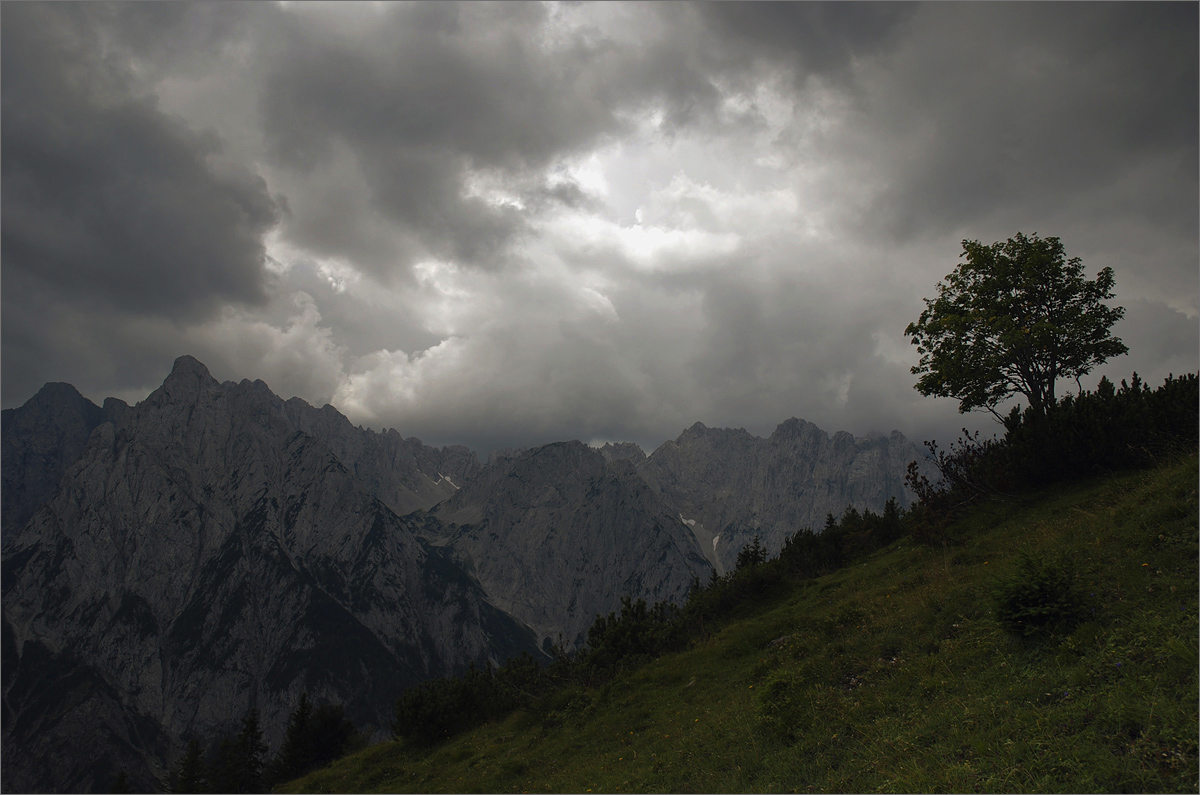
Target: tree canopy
(1013, 318)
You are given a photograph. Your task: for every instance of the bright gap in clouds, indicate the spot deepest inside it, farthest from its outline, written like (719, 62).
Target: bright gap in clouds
(585, 318)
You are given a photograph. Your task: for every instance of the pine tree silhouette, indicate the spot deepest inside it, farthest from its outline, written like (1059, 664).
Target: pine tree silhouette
(189, 774)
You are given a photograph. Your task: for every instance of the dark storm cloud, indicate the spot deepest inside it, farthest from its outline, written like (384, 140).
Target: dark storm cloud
(420, 101)
(102, 353)
(1028, 109)
(177, 38)
(819, 38)
(1164, 341)
(108, 201)
(791, 340)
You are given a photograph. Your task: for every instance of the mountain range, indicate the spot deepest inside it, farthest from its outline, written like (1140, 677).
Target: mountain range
(215, 548)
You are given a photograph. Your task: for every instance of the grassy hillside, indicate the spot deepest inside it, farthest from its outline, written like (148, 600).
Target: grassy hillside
(894, 674)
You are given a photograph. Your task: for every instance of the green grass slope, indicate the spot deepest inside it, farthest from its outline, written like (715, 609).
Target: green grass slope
(891, 675)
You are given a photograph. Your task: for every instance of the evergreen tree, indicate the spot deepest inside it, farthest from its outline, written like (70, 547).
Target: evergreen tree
(752, 554)
(189, 774)
(890, 525)
(224, 775)
(851, 519)
(252, 752)
(239, 763)
(314, 738)
(120, 783)
(333, 735)
(296, 749)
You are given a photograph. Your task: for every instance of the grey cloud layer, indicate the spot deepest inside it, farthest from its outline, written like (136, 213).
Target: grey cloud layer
(106, 198)
(505, 224)
(425, 96)
(1031, 109)
(422, 96)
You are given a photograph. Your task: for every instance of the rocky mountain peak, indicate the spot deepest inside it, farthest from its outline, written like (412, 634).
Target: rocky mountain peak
(39, 441)
(57, 397)
(628, 451)
(188, 366)
(793, 428)
(188, 380)
(115, 406)
(701, 435)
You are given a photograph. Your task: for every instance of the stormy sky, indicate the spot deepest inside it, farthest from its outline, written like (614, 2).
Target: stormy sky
(516, 223)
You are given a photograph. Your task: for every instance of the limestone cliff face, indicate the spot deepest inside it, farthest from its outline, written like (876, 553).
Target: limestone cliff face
(730, 485)
(558, 534)
(41, 439)
(405, 474)
(204, 555)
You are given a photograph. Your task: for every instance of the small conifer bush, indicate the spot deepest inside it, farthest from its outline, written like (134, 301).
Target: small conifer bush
(1039, 596)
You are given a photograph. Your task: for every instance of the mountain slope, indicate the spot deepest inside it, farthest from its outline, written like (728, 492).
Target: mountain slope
(216, 548)
(39, 442)
(205, 556)
(731, 486)
(890, 675)
(405, 474)
(558, 534)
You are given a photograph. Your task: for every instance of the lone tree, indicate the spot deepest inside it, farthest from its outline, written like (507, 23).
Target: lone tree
(1013, 318)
